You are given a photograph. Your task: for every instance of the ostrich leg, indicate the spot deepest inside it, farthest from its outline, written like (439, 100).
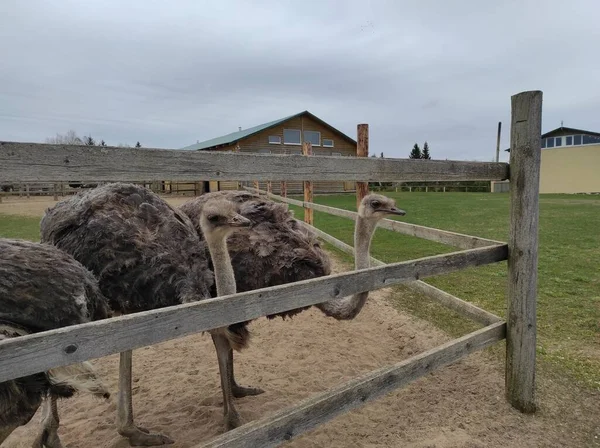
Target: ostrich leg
(137, 436)
(48, 437)
(240, 391)
(232, 418)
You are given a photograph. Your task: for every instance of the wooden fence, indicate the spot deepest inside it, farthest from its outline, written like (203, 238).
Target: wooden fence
(54, 163)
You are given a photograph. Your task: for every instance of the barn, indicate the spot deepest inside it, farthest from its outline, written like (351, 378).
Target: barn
(285, 136)
(570, 161)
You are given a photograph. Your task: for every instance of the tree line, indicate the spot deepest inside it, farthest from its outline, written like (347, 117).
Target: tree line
(71, 138)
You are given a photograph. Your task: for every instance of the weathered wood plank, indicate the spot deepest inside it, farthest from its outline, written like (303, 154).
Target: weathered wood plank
(460, 306)
(362, 150)
(24, 162)
(41, 351)
(287, 424)
(307, 186)
(525, 158)
(455, 239)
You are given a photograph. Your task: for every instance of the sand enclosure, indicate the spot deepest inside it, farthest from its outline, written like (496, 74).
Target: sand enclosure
(176, 388)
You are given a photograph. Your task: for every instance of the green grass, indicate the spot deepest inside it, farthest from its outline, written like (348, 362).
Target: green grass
(569, 278)
(27, 228)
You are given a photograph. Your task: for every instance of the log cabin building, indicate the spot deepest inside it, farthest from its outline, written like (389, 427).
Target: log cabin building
(284, 136)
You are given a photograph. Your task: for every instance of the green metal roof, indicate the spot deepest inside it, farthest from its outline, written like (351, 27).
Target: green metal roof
(236, 136)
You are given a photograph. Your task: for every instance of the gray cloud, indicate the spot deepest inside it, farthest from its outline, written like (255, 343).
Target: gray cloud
(170, 73)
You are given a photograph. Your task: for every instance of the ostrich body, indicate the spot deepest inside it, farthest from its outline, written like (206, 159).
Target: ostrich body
(43, 288)
(146, 255)
(277, 250)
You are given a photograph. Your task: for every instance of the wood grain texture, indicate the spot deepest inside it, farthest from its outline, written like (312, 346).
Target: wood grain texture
(459, 240)
(41, 351)
(362, 150)
(460, 306)
(287, 424)
(32, 162)
(307, 186)
(525, 158)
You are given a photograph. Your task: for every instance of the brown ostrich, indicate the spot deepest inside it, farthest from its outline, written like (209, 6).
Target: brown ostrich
(147, 255)
(278, 250)
(43, 288)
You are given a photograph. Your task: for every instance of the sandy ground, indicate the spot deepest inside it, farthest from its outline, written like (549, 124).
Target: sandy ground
(177, 389)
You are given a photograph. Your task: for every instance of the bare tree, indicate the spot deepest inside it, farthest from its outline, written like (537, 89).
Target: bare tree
(70, 138)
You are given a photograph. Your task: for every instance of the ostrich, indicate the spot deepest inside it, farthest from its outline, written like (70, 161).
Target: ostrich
(278, 250)
(43, 288)
(147, 255)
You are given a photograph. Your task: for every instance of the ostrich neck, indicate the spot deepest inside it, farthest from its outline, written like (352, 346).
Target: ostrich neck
(349, 307)
(224, 275)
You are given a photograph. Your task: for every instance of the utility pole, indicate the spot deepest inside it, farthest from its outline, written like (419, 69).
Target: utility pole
(498, 142)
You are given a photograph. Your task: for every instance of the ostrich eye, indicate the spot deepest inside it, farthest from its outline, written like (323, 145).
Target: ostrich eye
(375, 203)
(213, 218)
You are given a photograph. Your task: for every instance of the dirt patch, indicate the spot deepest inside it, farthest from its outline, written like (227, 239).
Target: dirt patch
(177, 390)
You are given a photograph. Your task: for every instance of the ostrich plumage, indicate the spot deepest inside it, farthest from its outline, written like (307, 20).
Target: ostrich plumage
(43, 288)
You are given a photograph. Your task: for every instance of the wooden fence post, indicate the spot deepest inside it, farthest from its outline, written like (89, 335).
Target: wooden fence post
(362, 150)
(256, 184)
(284, 188)
(308, 187)
(269, 187)
(27, 190)
(525, 157)
(55, 191)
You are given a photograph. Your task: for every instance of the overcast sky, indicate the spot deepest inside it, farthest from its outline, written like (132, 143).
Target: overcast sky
(168, 73)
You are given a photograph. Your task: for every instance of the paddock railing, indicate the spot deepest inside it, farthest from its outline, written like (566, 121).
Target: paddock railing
(29, 162)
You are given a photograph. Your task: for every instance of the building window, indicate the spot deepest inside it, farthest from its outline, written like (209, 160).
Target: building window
(543, 143)
(275, 139)
(550, 142)
(577, 140)
(291, 137)
(328, 142)
(569, 140)
(313, 137)
(558, 141)
(590, 140)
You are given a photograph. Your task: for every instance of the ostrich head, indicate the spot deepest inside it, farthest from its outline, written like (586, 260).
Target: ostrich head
(219, 218)
(376, 207)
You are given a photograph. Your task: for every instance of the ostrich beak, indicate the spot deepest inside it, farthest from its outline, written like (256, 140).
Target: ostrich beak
(240, 221)
(395, 211)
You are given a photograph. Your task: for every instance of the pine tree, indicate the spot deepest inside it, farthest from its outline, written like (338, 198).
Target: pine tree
(89, 141)
(137, 145)
(102, 143)
(425, 154)
(415, 153)
(382, 155)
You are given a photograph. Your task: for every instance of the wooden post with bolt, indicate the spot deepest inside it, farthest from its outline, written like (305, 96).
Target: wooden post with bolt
(525, 157)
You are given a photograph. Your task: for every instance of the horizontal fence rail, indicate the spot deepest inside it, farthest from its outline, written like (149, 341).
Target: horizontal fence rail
(429, 233)
(272, 431)
(33, 162)
(462, 307)
(41, 351)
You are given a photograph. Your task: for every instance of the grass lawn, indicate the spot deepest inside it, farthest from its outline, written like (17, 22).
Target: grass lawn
(569, 278)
